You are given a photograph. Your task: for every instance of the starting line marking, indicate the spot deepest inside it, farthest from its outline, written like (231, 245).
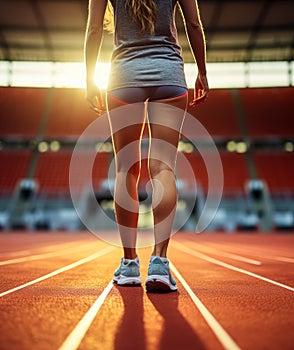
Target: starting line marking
(63, 269)
(224, 338)
(74, 339)
(181, 247)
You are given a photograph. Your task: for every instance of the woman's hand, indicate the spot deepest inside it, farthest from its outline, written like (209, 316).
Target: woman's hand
(95, 99)
(201, 90)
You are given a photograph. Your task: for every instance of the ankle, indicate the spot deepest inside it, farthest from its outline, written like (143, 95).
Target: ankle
(159, 251)
(130, 254)
(161, 254)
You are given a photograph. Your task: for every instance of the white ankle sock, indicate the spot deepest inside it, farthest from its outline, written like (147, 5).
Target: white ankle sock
(128, 260)
(164, 260)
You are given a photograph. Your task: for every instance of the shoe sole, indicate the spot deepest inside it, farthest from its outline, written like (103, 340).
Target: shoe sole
(124, 280)
(159, 284)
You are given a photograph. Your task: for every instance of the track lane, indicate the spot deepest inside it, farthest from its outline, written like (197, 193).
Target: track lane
(284, 259)
(140, 320)
(223, 264)
(58, 271)
(15, 242)
(256, 314)
(260, 246)
(224, 338)
(41, 316)
(16, 274)
(280, 271)
(32, 256)
(225, 254)
(74, 339)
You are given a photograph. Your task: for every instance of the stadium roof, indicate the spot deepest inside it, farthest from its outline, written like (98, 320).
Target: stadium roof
(53, 30)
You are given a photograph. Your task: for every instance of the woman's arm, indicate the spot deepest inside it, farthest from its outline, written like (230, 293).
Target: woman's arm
(93, 41)
(196, 39)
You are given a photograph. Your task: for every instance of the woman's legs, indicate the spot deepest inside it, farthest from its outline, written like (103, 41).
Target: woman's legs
(165, 121)
(127, 125)
(165, 116)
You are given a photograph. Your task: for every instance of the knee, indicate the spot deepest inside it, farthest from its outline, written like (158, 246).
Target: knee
(133, 170)
(156, 166)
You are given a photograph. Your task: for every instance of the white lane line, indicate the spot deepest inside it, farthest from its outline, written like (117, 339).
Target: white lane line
(41, 256)
(284, 259)
(240, 258)
(231, 256)
(224, 338)
(18, 253)
(256, 253)
(63, 269)
(45, 249)
(29, 258)
(181, 247)
(74, 339)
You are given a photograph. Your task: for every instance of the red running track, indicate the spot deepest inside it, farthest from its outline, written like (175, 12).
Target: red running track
(236, 291)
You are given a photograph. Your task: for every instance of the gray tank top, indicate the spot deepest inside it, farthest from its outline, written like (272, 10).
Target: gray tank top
(140, 60)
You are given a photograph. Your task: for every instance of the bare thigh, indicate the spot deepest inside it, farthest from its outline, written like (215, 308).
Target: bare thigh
(165, 119)
(127, 123)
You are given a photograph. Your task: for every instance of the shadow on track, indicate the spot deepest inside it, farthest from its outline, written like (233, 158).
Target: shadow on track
(130, 333)
(177, 332)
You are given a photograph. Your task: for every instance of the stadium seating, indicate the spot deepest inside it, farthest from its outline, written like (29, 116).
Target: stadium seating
(52, 171)
(38, 113)
(69, 115)
(235, 172)
(14, 166)
(277, 169)
(269, 111)
(217, 114)
(21, 111)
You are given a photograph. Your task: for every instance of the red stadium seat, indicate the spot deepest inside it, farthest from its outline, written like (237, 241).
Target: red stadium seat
(217, 114)
(70, 114)
(14, 166)
(277, 169)
(52, 171)
(30, 112)
(269, 111)
(21, 111)
(235, 171)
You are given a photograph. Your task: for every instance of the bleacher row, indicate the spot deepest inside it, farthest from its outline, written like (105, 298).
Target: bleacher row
(62, 114)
